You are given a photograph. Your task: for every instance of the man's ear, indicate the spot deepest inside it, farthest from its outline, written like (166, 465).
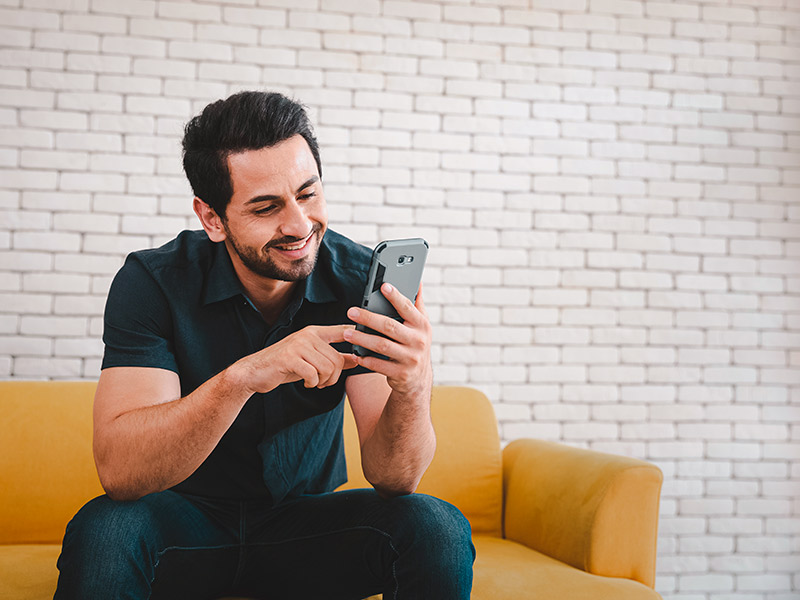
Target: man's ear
(210, 220)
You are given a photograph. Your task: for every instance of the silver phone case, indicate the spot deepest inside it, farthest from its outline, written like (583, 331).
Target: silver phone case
(399, 262)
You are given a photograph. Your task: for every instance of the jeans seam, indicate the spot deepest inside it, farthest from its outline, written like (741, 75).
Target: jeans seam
(242, 543)
(161, 553)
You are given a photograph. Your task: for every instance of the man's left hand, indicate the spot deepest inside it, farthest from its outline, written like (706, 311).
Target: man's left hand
(407, 345)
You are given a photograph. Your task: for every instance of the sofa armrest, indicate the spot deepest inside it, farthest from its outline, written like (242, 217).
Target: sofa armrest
(597, 512)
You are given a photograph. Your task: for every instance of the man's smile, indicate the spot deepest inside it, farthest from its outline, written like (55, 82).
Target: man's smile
(297, 249)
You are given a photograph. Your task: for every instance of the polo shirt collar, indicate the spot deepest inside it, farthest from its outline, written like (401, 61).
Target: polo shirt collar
(222, 282)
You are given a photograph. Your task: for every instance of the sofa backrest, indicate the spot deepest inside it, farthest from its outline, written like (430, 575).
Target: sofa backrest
(46, 467)
(47, 471)
(467, 469)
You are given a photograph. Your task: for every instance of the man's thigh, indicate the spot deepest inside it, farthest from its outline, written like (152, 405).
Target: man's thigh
(349, 544)
(161, 544)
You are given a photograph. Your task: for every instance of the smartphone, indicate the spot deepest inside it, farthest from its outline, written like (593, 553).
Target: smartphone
(399, 262)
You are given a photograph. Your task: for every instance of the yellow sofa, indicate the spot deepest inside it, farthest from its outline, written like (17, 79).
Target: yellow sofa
(549, 521)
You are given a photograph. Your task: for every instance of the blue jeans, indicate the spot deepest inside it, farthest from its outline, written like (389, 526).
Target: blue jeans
(348, 544)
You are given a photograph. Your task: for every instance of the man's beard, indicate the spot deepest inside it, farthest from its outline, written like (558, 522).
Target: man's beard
(259, 261)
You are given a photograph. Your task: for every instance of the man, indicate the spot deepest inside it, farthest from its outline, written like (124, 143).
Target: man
(218, 413)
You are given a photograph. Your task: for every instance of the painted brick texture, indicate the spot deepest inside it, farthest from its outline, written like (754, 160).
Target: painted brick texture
(610, 188)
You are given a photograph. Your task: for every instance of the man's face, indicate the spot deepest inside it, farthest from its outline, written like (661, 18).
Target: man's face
(277, 215)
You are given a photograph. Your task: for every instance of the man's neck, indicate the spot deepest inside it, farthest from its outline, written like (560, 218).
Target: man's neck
(270, 296)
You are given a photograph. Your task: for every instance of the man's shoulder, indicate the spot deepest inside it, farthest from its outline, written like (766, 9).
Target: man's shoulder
(345, 254)
(188, 248)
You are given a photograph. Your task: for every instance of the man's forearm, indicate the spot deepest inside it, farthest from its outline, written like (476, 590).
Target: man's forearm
(401, 446)
(152, 448)
(161, 439)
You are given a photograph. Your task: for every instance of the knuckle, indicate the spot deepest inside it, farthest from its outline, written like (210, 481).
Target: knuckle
(382, 345)
(392, 328)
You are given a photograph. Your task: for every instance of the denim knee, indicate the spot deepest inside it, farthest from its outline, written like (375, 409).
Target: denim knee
(107, 545)
(436, 527)
(105, 524)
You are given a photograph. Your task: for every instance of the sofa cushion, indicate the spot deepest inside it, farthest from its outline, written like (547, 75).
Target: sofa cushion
(506, 569)
(467, 469)
(46, 467)
(28, 571)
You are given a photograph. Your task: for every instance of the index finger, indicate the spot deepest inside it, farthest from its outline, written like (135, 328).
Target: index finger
(404, 306)
(333, 334)
(420, 303)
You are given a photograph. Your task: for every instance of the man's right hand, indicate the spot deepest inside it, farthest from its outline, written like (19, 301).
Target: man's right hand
(306, 355)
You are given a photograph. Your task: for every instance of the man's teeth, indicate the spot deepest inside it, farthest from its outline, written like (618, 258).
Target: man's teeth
(295, 247)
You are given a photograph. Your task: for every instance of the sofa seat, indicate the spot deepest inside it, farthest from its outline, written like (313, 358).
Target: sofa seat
(506, 569)
(503, 569)
(28, 571)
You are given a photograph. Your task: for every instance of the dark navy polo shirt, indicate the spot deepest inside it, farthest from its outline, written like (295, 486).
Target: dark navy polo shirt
(181, 307)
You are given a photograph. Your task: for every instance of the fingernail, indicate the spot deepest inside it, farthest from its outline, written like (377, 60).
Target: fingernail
(348, 334)
(388, 287)
(353, 313)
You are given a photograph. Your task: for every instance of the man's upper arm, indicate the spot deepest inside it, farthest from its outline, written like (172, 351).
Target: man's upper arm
(367, 393)
(137, 324)
(123, 389)
(139, 366)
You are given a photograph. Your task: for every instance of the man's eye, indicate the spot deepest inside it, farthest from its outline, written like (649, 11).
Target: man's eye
(307, 196)
(265, 210)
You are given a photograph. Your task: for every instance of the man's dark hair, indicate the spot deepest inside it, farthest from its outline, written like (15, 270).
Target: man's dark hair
(244, 121)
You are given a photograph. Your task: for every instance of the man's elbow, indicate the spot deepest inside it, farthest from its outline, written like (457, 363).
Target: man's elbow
(393, 491)
(117, 487)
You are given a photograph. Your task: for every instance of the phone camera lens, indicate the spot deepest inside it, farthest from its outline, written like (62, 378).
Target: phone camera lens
(401, 260)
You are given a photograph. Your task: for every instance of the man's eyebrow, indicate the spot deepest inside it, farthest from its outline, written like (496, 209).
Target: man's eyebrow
(270, 198)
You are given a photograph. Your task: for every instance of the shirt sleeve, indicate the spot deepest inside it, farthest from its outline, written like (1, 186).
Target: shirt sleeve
(137, 329)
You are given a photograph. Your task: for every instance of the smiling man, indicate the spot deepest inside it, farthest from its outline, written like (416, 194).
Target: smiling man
(218, 413)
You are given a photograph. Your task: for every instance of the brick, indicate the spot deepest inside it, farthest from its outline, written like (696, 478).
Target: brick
(430, 31)
(28, 179)
(227, 33)
(54, 160)
(449, 67)
(318, 20)
(64, 41)
(56, 283)
(416, 10)
(133, 46)
(352, 42)
(29, 19)
(589, 22)
(189, 12)
(80, 347)
(32, 59)
(557, 373)
(563, 39)
(616, 41)
(261, 17)
(734, 15)
(25, 346)
(95, 23)
(674, 10)
(97, 63)
(472, 14)
(382, 25)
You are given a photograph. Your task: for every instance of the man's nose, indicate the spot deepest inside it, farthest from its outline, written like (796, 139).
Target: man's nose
(296, 222)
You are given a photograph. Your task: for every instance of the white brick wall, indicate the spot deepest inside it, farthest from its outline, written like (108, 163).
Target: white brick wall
(610, 187)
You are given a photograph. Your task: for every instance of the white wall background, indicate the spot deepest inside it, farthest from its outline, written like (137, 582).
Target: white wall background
(611, 189)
